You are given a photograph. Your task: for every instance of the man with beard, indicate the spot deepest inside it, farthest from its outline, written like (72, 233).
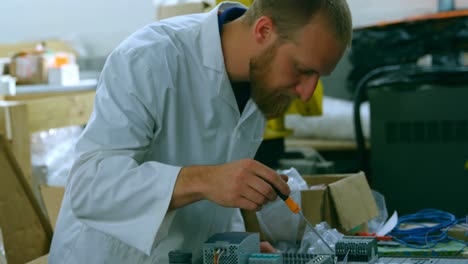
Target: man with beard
(166, 158)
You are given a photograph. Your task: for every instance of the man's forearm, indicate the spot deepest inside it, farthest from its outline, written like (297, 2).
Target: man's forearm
(188, 187)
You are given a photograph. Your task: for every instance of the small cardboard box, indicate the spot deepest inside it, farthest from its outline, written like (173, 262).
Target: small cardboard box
(172, 10)
(29, 68)
(52, 197)
(344, 201)
(26, 231)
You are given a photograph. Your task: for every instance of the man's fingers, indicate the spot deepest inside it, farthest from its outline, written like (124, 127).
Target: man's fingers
(254, 196)
(263, 187)
(284, 177)
(246, 204)
(266, 247)
(270, 176)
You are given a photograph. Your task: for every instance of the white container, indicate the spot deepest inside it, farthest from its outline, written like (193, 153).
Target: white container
(68, 74)
(7, 85)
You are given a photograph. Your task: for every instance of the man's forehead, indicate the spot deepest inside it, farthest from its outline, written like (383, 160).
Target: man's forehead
(317, 48)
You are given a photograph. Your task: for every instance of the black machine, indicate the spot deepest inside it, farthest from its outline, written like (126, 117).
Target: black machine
(419, 111)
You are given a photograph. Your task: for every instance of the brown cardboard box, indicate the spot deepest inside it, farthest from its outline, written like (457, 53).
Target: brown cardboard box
(29, 69)
(344, 201)
(52, 197)
(8, 50)
(26, 231)
(41, 260)
(166, 11)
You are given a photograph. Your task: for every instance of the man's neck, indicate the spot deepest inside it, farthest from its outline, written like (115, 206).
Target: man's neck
(235, 41)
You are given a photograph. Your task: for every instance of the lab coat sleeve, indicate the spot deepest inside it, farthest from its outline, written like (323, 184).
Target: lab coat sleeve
(111, 189)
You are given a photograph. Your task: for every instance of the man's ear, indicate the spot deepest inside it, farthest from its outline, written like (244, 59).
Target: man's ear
(264, 31)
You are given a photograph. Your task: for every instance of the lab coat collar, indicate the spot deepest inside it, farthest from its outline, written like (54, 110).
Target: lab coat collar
(212, 54)
(210, 38)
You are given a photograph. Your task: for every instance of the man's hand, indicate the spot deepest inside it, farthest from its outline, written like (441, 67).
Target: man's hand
(243, 184)
(266, 247)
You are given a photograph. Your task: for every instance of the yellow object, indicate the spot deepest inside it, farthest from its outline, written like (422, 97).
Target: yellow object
(244, 2)
(466, 165)
(275, 128)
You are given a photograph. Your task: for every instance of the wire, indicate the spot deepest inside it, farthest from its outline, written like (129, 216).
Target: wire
(426, 236)
(219, 256)
(215, 256)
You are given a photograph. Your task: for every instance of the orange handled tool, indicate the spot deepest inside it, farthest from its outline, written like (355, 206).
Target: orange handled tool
(292, 205)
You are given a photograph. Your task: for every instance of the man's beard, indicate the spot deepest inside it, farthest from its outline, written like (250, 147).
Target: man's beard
(272, 102)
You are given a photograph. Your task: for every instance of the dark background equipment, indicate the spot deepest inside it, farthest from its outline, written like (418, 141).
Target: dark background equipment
(419, 114)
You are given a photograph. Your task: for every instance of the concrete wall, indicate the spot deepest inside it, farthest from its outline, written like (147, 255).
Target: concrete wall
(98, 25)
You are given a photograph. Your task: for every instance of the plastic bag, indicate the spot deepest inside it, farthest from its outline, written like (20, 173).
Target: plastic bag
(2, 250)
(53, 154)
(376, 223)
(276, 221)
(312, 244)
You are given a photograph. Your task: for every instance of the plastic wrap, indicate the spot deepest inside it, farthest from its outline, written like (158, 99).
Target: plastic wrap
(335, 123)
(53, 154)
(375, 224)
(276, 221)
(312, 244)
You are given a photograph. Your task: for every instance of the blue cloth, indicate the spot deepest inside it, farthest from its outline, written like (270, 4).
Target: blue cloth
(228, 15)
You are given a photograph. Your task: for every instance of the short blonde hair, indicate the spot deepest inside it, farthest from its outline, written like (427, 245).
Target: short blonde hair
(289, 16)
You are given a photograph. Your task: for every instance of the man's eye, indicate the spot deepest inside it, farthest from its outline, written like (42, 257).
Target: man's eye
(305, 72)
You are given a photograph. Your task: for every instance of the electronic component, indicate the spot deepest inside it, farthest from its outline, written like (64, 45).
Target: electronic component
(322, 259)
(357, 249)
(301, 258)
(230, 248)
(262, 258)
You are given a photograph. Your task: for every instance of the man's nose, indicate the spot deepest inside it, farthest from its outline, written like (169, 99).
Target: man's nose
(306, 87)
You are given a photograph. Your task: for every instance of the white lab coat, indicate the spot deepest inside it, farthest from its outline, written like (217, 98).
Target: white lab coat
(163, 101)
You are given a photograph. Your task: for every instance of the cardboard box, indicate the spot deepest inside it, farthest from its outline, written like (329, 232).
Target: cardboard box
(27, 233)
(41, 260)
(30, 68)
(172, 10)
(344, 201)
(9, 50)
(52, 197)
